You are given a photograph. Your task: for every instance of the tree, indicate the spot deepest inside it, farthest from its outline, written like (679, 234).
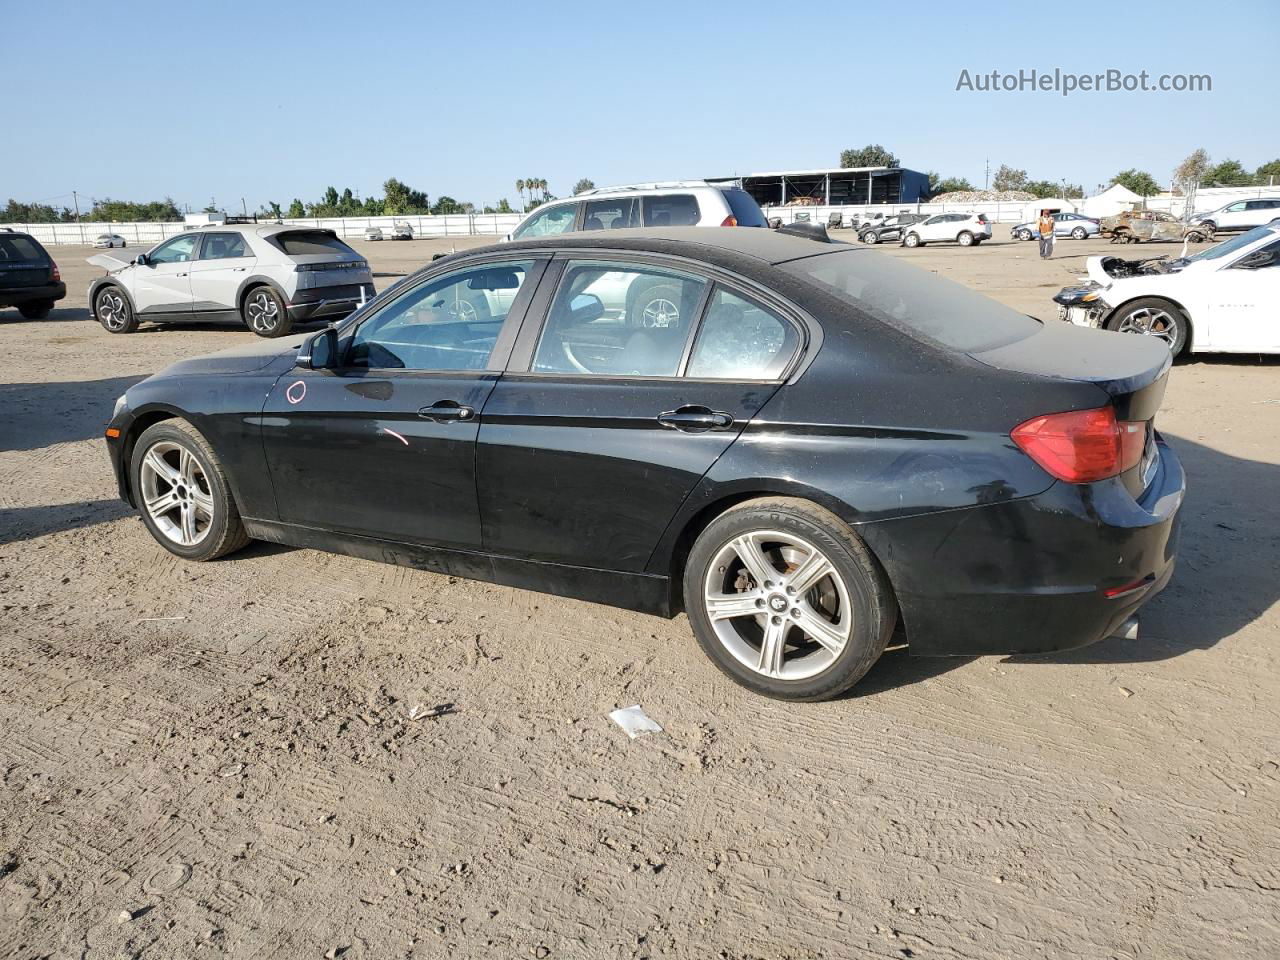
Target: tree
(271, 210)
(296, 210)
(583, 185)
(872, 155)
(400, 198)
(1007, 178)
(1139, 181)
(127, 211)
(447, 205)
(1188, 175)
(1228, 173)
(1267, 173)
(949, 185)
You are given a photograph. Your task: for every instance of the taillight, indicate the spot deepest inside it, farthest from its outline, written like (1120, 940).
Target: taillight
(56, 275)
(1082, 446)
(729, 221)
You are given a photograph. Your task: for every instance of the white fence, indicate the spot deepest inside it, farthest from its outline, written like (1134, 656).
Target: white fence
(349, 228)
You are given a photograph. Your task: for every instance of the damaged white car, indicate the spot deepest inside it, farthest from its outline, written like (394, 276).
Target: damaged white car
(1225, 299)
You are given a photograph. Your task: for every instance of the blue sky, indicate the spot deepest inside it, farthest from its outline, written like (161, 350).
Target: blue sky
(274, 100)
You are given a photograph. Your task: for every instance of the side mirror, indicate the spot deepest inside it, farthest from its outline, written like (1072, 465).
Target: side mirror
(320, 352)
(142, 260)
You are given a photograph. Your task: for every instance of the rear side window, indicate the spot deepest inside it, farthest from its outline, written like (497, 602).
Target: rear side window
(745, 210)
(223, 246)
(17, 248)
(310, 242)
(907, 297)
(739, 340)
(676, 210)
(611, 214)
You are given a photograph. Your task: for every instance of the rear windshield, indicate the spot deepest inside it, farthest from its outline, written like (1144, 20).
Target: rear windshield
(14, 249)
(905, 296)
(306, 242)
(745, 210)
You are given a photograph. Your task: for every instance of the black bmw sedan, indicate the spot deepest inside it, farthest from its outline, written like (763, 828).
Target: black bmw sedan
(799, 444)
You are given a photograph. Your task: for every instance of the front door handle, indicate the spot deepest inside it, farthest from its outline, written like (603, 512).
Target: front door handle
(447, 411)
(179, 274)
(695, 418)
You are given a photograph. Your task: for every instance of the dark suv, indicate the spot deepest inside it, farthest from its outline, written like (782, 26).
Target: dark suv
(29, 279)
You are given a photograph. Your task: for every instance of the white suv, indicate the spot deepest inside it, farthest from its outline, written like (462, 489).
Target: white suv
(267, 275)
(966, 229)
(682, 203)
(1241, 215)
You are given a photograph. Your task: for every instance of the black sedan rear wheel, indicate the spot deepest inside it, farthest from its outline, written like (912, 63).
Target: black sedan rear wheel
(786, 600)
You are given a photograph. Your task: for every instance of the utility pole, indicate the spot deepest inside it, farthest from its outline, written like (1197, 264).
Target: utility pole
(244, 206)
(76, 200)
(986, 176)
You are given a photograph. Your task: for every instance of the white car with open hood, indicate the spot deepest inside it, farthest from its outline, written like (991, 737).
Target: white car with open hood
(1225, 299)
(269, 276)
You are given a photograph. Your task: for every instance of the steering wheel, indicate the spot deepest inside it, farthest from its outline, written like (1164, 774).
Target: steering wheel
(573, 361)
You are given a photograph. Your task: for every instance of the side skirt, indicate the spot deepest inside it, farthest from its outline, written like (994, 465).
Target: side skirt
(645, 593)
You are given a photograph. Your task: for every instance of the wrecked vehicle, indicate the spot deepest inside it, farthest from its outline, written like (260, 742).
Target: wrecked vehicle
(1222, 299)
(1134, 226)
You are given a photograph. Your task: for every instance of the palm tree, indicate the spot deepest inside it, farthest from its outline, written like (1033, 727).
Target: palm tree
(520, 190)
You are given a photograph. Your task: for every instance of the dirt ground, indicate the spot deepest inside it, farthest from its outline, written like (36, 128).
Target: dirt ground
(292, 754)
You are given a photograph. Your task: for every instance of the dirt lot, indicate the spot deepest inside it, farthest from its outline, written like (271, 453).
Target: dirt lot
(223, 759)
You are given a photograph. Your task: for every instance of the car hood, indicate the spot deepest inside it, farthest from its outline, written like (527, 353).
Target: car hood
(111, 262)
(246, 358)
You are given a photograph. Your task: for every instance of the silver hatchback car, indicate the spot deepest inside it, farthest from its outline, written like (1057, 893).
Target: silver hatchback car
(267, 275)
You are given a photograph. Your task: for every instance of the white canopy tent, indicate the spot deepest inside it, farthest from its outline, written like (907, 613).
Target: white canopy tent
(1110, 202)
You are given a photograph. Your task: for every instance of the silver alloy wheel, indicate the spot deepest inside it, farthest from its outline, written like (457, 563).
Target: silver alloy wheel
(1151, 322)
(965, 238)
(112, 310)
(660, 313)
(262, 310)
(912, 240)
(176, 493)
(1079, 233)
(464, 311)
(778, 605)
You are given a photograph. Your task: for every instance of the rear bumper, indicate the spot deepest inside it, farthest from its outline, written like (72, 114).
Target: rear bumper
(331, 302)
(15, 296)
(1051, 572)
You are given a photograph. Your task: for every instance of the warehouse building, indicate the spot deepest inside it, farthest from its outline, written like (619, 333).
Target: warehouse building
(860, 185)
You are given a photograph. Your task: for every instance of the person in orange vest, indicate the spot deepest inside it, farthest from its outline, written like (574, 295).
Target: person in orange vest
(1046, 234)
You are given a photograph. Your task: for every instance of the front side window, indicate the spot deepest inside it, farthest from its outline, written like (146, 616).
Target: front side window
(223, 246)
(177, 250)
(610, 319)
(1236, 207)
(610, 214)
(676, 210)
(740, 340)
(450, 323)
(549, 222)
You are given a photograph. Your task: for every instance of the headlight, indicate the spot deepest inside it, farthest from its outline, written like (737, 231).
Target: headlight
(122, 404)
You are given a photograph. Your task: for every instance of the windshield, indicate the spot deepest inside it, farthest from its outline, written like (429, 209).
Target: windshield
(908, 297)
(1233, 245)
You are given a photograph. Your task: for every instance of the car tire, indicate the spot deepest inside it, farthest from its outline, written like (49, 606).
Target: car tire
(850, 603)
(1079, 233)
(264, 313)
(36, 310)
(964, 238)
(1023, 235)
(1148, 316)
(870, 237)
(1195, 236)
(113, 310)
(183, 494)
(912, 240)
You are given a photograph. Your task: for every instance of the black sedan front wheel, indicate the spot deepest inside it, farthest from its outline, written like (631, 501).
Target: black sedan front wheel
(786, 600)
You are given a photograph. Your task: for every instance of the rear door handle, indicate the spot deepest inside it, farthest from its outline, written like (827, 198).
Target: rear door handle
(179, 274)
(695, 418)
(239, 269)
(446, 411)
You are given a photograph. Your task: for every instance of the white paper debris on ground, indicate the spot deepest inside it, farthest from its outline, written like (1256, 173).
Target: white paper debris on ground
(634, 721)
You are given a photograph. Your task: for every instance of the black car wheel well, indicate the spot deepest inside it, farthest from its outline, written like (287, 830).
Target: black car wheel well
(703, 518)
(136, 429)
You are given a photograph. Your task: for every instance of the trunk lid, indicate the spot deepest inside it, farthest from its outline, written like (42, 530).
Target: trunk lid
(1130, 372)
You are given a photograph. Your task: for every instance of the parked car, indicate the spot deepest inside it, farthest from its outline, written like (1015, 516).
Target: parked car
(1074, 225)
(1239, 215)
(966, 229)
(683, 203)
(1135, 226)
(1222, 299)
(29, 279)
(372, 233)
(268, 275)
(889, 229)
(109, 240)
(1013, 495)
(401, 231)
